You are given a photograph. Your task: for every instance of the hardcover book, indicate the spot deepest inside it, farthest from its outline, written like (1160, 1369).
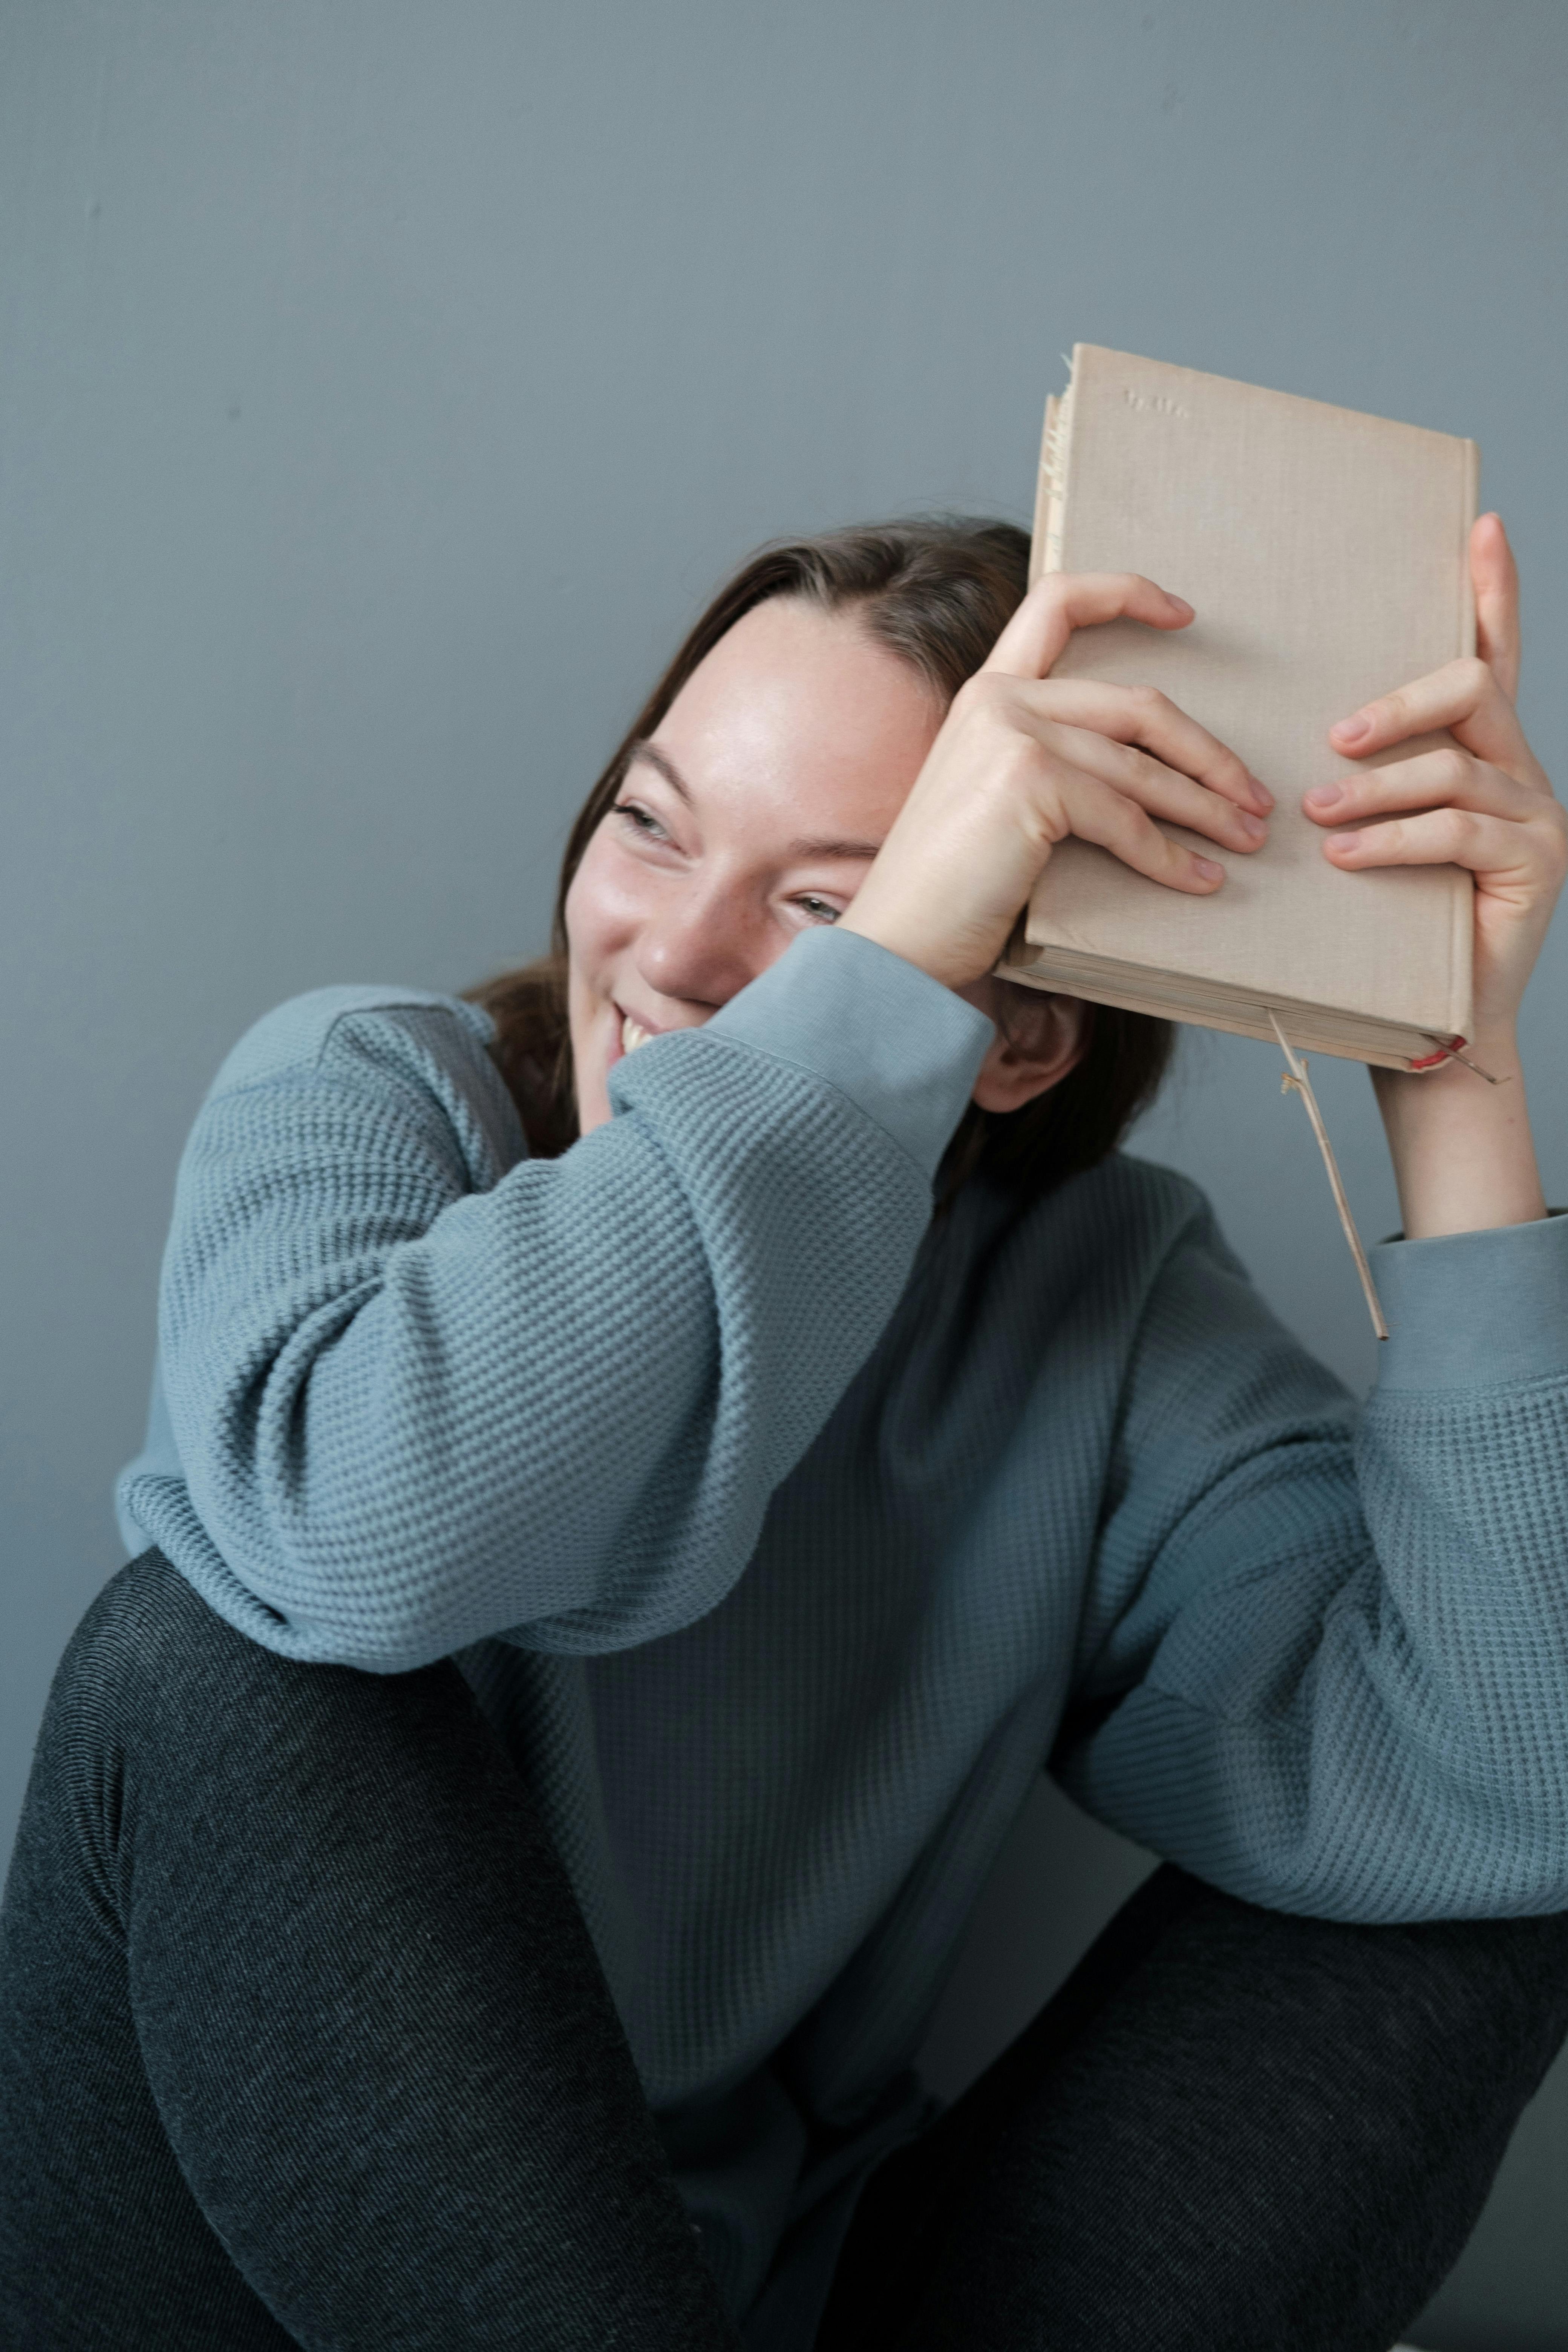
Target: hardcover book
(1326, 553)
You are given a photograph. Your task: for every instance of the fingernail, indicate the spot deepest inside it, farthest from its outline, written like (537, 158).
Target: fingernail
(1351, 731)
(1324, 796)
(1260, 793)
(1345, 840)
(1253, 826)
(1180, 602)
(1209, 870)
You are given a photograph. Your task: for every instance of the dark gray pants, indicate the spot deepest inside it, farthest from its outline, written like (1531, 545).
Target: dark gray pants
(303, 2041)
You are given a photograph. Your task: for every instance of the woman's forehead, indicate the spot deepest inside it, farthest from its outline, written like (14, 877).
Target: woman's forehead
(803, 703)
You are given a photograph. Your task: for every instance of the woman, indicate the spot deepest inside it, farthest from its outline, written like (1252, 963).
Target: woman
(567, 1995)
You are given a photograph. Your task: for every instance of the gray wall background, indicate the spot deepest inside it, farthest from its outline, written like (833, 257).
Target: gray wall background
(382, 385)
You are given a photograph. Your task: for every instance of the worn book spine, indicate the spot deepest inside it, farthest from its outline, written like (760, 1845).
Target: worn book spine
(1046, 546)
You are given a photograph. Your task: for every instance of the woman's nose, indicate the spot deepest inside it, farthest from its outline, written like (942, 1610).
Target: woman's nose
(702, 949)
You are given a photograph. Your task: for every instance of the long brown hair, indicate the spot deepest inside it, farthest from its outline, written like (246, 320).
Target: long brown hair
(938, 592)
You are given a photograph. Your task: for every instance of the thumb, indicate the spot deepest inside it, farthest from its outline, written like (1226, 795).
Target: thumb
(1495, 578)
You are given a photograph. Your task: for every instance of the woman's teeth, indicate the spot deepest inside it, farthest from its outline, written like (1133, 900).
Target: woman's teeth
(632, 1034)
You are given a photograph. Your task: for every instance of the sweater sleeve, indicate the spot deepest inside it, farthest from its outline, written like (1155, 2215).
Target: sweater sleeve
(422, 1390)
(1328, 1669)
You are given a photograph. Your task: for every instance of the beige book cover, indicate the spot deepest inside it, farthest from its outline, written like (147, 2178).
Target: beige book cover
(1326, 555)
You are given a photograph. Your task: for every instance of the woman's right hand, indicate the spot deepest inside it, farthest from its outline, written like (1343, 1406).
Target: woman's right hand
(1023, 760)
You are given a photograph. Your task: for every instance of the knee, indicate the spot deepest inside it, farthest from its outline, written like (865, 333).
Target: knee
(144, 1623)
(147, 1635)
(152, 1665)
(1501, 1986)
(1478, 2004)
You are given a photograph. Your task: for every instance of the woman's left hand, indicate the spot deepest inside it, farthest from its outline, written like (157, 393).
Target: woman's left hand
(1463, 1154)
(1483, 803)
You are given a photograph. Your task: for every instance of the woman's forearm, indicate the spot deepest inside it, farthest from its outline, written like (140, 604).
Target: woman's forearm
(1464, 1158)
(419, 1397)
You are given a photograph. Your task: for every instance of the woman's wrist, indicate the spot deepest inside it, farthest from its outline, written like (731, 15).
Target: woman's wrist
(1464, 1158)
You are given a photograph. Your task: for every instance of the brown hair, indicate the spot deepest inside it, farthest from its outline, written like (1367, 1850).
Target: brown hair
(938, 592)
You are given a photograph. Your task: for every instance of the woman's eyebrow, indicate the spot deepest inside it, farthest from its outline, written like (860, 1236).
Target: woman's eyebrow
(666, 767)
(827, 847)
(806, 850)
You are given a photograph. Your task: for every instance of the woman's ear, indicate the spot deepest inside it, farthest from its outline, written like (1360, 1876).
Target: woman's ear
(1040, 1039)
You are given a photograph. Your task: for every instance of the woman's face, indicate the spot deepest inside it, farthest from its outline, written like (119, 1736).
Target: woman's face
(749, 815)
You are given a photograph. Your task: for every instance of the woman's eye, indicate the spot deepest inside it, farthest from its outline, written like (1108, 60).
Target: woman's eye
(821, 911)
(640, 820)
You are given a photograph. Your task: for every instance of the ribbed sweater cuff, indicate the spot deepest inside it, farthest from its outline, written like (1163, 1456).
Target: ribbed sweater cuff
(1470, 1311)
(898, 1043)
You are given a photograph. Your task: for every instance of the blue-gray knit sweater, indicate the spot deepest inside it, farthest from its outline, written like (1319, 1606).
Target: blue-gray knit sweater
(786, 1531)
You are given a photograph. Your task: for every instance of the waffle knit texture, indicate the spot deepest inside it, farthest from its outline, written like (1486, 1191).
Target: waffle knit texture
(785, 1532)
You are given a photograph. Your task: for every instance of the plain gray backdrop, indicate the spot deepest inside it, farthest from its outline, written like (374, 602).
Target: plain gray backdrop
(382, 385)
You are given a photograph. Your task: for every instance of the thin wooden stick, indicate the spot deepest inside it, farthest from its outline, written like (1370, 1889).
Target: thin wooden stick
(1296, 1081)
(1453, 1055)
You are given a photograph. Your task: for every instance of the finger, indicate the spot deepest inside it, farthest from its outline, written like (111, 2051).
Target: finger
(1143, 715)
(1094, 813)
(1463, 696)
(1449, 777)
(1494, 575)
(1161, 791)
(1065, 601)
(1483, 845)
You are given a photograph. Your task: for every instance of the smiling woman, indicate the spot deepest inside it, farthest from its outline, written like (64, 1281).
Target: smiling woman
(609, 1564)
(803, 700)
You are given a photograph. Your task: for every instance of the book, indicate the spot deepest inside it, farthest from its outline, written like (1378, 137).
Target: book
(1326, 555)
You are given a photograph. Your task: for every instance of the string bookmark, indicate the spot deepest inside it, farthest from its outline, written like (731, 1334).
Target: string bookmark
(1297, 1082)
